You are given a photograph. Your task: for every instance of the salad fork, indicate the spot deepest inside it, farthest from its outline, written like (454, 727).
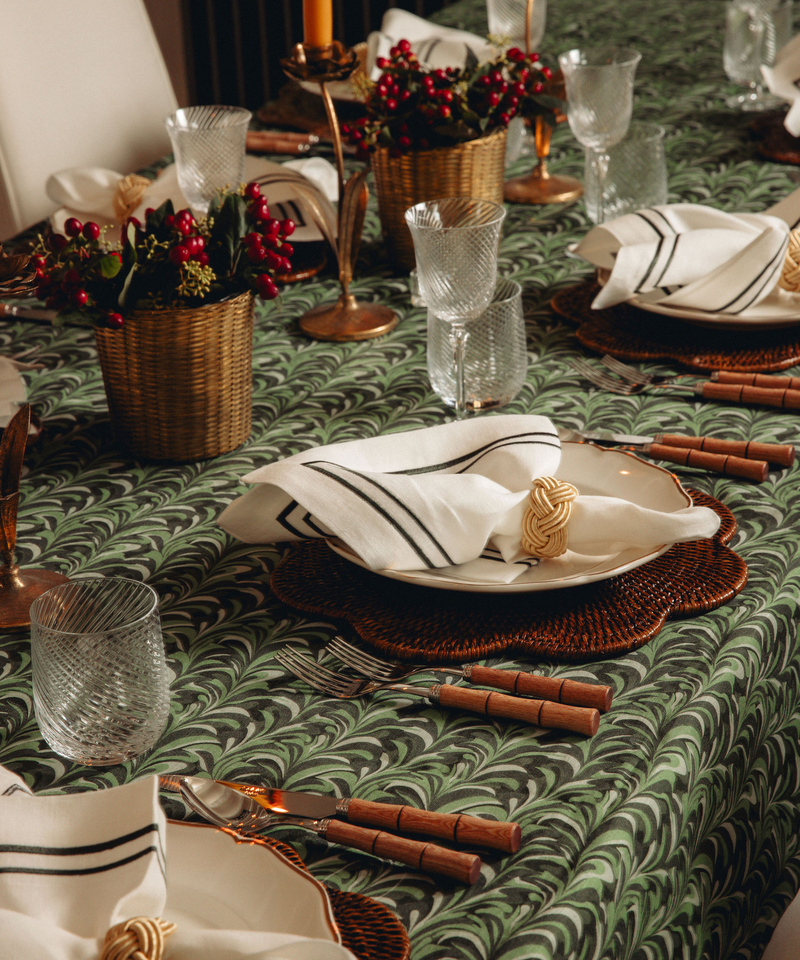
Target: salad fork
(543, 713)
(514, 681)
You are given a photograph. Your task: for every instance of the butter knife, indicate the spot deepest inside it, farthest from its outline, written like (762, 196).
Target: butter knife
(458, 828)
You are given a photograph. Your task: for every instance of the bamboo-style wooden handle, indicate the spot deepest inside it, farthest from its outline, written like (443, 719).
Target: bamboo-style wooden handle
(781, 454)
(543, 713)
(757, 380)
(575, 692)
(719, 463)
(414, 853)
(456, 827)
(741, 393)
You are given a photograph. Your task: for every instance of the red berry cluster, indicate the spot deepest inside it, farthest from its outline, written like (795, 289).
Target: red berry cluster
(265, 245)
(413, 108)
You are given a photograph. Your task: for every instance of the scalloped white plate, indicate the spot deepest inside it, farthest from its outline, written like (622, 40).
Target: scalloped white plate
(595, 471)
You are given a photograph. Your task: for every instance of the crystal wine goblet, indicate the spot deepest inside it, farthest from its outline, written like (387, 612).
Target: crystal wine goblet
(456, 244)
(754, 32)
(599, 84)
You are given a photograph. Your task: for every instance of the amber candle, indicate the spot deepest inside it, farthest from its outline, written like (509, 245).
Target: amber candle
(317, 23)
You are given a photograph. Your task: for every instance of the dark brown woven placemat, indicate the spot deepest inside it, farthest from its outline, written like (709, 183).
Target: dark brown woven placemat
(773, 140)
(632, 334)
(370, 930)
(576, 623)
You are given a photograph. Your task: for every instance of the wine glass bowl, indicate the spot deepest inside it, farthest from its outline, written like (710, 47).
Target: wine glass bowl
(599, 85)
(507, 19)
(754, 32)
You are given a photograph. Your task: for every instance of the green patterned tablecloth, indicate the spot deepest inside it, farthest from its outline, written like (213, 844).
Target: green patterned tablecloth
(671, 834)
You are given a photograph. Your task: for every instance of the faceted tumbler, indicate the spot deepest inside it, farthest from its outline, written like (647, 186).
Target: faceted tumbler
(209, 146)
(100, 682)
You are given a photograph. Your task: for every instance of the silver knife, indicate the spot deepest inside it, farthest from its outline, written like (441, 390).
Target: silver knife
(458, 828)
(729, 457)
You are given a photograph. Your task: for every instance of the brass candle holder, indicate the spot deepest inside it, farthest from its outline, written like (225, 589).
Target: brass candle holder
(540, 186)
(18, 588)
(348, 318)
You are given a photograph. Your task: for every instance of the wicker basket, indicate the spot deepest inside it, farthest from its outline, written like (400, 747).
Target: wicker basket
(471, 169)
(179, 382)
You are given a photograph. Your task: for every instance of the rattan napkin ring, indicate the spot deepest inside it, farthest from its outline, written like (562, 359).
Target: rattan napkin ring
(128, 195)
(141, 938)
(544, 525)
(790, 275)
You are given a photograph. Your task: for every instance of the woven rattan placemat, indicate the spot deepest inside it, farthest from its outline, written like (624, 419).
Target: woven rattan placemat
(368, 928)
(577, 623)
(632, 334)
(773, 140)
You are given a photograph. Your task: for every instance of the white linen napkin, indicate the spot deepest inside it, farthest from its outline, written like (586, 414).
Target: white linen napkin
(441, 497)
(435, 46)
(781, 80)
(690, 255)
(88, 192)
(74, 865)
(13, 392)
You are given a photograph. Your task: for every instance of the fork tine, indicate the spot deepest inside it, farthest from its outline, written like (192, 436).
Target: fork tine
(626, 371)
(312, 673)
(602, 380)
(359, 660)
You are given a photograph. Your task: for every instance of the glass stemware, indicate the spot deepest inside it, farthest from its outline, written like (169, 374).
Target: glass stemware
(599, 83)
(456, 244)
(754, 32)
(509, 19)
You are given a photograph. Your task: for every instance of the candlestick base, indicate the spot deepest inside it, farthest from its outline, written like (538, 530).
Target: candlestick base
(18, 590)
(348, 319)
(321, 64)
(539, 186)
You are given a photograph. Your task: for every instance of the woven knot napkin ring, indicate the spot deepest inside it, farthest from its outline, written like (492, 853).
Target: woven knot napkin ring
(141, 938)
(544, 525)
(128, 195)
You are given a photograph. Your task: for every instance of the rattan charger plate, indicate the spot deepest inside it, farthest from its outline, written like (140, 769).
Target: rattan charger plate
(370, 930)
(436, 626)
(628, 333)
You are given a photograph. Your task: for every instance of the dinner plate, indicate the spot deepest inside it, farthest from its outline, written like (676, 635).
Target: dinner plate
(218, 880)
(780, 309)
(595, 471)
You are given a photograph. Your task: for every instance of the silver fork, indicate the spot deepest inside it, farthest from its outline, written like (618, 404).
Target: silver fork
(625, 388)
(634, 375)
(514, 681)
(543, 713)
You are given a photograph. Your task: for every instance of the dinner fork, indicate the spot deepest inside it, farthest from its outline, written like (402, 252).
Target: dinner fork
(735, 393)
(515, 681)
(767, 380)
(543, 713)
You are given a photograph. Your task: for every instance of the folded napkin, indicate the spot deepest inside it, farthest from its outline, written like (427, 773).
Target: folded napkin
(88, 193)
(12, 390)
(781, 80)
(72, 866)
(437, 47)
(452, 496)
(690, 255)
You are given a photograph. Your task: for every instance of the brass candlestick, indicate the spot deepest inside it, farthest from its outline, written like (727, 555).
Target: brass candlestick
(18, 588)
(348, 318)
(540, 186)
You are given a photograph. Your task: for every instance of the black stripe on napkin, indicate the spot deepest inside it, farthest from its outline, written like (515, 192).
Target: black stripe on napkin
(392, 521)
(283, 520)
(663, 273)
(651, 266)
(765, 270)
(79, 851)
(83, 871)
(480, 452)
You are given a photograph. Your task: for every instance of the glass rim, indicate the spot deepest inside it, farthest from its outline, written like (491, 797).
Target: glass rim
(180, 118)
(80, 581)
(505, 291)
(500, 213)
(620, 57)
(648, 131)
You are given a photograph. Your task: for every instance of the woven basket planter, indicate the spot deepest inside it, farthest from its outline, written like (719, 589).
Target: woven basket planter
(179, 382)
(471, 169)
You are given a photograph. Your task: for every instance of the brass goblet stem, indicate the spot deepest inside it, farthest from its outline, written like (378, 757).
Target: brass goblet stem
(348, 318)
(540, 186)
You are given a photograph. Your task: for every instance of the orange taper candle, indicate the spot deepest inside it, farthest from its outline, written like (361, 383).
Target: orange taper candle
(317, 23)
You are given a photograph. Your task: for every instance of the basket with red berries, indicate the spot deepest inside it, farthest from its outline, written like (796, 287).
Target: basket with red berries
(172, 308)
(442, 133)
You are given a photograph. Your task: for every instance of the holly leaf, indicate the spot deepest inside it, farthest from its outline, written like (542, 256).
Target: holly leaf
(230, 225)
(110, 265)
(158, 216)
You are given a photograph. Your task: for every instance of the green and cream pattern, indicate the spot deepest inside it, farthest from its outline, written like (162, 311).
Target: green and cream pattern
(674, 833)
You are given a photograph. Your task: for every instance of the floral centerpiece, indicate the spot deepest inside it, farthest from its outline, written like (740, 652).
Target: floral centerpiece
(442, 133)
(171, 260)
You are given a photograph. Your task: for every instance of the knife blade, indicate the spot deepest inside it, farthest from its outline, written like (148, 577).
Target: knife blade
(458, 828)
(692, 454)
(218, 804)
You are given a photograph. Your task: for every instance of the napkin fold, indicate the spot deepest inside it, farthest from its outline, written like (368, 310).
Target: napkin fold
(436, 47)
(74, 865)
(781, 80)
(451, 496)
(88, 192)
(693, 256)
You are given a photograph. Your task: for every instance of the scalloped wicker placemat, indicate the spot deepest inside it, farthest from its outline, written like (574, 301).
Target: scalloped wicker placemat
(631, 334)
(577, 623)
(370, 930)
(773, 140)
